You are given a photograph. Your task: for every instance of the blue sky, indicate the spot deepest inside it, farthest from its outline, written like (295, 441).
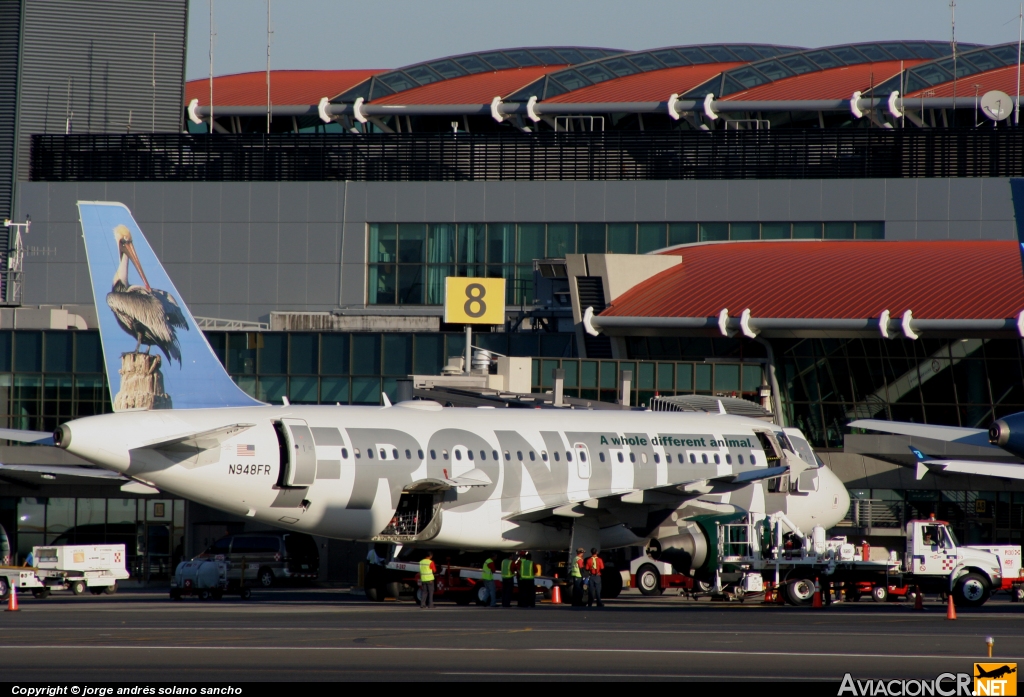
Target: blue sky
(334, 34)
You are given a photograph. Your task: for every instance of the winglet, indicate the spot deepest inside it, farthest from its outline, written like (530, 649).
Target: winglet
(721, 408)
(387, 402)
(922, 468)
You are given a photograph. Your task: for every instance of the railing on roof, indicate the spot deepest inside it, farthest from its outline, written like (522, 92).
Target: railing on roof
(609, 155)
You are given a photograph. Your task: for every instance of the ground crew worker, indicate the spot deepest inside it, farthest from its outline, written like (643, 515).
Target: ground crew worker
(594, 567)
(507, 581)
(488, 578)
(576, 574)
(527, 594)
(427, 570)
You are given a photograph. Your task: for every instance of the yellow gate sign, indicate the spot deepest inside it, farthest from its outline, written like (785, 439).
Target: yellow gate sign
(474, 300)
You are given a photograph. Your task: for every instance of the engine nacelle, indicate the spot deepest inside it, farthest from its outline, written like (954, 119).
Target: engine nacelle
(1008, 434)
(687, 551)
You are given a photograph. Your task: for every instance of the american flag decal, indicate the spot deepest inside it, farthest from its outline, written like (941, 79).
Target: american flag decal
(246, 451)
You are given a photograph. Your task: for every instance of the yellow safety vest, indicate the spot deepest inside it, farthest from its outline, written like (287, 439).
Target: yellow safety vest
(425, 573)
(488, 574)
(506, 568)
(526, 569)
(574, 569)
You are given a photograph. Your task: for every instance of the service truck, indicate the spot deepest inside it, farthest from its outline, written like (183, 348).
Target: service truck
(749, 553)
(77, 568)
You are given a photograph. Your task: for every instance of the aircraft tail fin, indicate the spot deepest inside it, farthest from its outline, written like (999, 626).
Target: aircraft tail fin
(156, 356)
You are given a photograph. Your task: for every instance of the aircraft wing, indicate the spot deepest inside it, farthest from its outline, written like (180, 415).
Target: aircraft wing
(967, 436)
(671, 495)
(204, 440)
(927, 464)
(66, 470)
(35, 437)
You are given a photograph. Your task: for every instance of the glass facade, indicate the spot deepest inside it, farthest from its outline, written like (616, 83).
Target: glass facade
(408, 262)
(152, 530)
(337, 367)
(827, 383)
(977, 517)
(599, 380)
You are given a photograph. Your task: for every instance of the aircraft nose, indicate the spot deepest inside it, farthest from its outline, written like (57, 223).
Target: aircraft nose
(839, 497)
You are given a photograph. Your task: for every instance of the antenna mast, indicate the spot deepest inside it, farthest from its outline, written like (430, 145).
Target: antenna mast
(268, 65)
(1020, 32)
(952, 21)
(153, 115)
(211, 66)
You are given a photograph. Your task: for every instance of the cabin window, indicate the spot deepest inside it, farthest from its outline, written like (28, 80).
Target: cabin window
(356, 451)
(740, 457)
(555, 453)
(494, 454)
(704, 457)
(717, 460)
(508, 456)
(568, 456)
(384, 454)
(753, 460)
(620, 457)
(519, 455)
(632, 457)
(394, 453)
(419, 454)
(369, 453)
(533, 456)
(601, 455)
(728, 459)
(583, 456)
(643, 458)
(483, 454)
(458, 454)
(657, 459)
(544, 455)
(693, 459)
(469, 454)
(444, 454)
(408, 454)
(433, 454)
(344, 453)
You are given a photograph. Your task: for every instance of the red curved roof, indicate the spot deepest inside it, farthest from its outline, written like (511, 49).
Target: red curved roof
(855, 279)
(834, 83)
(286, 87)
(470, 89)
(652, 86)
(1003, 79)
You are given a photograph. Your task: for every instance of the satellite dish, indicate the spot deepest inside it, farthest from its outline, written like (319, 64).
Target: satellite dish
(996, 105)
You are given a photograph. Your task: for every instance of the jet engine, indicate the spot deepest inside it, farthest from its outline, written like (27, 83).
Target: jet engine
(1008, 434)
(687, 551)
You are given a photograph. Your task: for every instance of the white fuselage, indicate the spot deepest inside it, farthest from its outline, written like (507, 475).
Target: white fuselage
(365, 458)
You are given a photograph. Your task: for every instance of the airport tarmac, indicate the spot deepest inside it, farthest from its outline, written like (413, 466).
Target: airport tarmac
(330, 634)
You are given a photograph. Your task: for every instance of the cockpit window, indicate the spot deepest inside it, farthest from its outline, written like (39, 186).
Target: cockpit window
(803, 449)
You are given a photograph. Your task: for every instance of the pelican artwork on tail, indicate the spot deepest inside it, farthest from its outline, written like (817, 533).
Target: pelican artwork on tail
(150, 315)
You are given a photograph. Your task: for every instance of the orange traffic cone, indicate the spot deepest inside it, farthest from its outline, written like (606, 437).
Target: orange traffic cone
(950, 610)
(556, 593)
(918, 599)
(12, 600)
(817, 595)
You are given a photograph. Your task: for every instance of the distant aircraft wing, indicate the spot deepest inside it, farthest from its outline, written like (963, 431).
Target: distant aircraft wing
(967, 436)
(927, 464)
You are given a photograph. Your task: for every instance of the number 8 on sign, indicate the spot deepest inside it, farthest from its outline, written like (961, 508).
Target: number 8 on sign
(474, 300)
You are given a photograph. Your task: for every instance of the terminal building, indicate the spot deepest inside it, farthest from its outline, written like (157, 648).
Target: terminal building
(836, 227)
